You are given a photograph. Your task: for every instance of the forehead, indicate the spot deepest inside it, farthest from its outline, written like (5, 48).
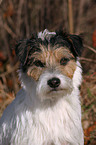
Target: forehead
(50, 42)
(56, 51)
(51, 57)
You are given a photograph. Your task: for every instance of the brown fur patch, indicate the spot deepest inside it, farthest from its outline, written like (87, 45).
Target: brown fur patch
(69, 69)
(62, 52)
(35, 72)
(51, 58)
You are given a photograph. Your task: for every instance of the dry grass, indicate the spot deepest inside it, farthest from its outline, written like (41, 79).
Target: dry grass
(88, 99)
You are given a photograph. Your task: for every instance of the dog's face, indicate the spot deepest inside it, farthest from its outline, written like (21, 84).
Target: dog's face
(50, 59)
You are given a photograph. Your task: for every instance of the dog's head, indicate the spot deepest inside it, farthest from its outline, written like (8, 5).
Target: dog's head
(50, 59)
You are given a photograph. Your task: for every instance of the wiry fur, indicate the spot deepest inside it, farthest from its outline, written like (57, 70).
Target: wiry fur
(36, 118)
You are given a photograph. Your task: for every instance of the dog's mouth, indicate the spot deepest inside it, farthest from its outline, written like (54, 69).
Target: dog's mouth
(56, 90)
(56, 93)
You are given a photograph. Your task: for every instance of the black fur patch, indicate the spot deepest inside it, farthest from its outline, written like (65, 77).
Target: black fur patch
(73, 42)
(24, 50)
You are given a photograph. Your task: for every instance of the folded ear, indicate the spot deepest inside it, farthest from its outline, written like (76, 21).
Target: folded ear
(21, 51)
(23, 48)
(76, 44)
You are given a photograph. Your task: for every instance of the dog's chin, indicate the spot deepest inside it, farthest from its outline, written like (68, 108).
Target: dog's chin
(55, 94)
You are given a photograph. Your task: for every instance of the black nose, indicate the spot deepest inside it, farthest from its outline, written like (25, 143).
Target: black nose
(54, 82)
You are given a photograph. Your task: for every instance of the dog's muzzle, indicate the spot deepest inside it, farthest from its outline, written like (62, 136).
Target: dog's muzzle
(53, 86)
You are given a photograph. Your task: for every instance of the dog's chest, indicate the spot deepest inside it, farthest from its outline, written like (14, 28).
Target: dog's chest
(51, 125)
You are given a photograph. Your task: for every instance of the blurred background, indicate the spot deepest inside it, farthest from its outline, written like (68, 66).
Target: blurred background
(20, 18)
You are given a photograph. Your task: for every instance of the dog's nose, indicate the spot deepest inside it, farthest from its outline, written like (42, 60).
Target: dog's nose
(54, 82)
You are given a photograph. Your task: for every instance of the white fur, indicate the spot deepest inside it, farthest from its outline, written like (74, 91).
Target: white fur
(45, 34)
(34, 119)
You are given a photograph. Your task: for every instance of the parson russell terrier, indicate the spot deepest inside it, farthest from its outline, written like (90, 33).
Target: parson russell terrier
(47, 110)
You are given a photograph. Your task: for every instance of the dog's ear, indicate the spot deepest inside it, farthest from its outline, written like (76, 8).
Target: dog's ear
(21, 51)
(76, 44)
(23, 48)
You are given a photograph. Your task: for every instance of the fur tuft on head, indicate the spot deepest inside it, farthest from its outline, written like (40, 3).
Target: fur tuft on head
(46, 34)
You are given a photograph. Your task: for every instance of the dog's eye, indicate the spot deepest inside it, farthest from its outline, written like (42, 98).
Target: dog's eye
(38, 63)
(64, 61)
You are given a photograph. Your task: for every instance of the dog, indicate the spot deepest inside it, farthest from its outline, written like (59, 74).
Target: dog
(47, 110)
